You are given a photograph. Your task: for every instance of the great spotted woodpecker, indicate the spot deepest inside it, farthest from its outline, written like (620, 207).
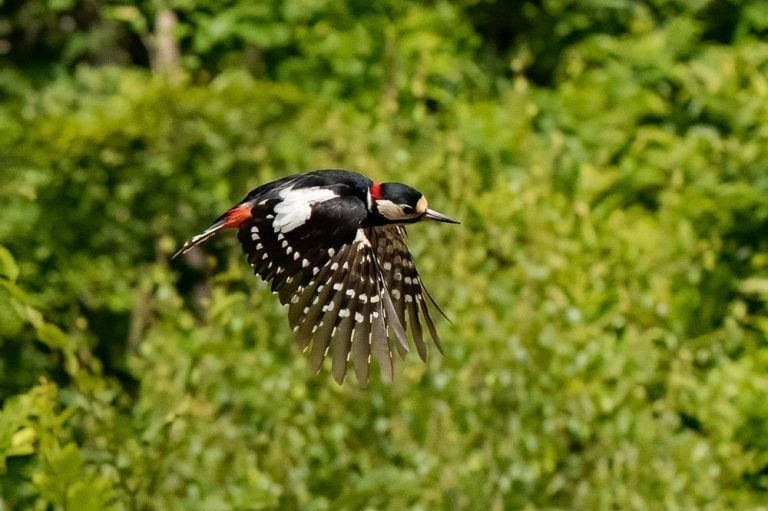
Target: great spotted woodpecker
(332, 244)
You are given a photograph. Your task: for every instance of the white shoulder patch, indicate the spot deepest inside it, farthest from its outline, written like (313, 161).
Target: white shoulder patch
(296, 206)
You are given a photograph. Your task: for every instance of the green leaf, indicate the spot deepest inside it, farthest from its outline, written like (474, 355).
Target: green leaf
(8, 267)
(755, 286)
(91, 494)
(52, 336)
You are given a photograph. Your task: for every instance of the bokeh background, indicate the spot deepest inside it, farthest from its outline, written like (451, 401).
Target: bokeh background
(608, 284)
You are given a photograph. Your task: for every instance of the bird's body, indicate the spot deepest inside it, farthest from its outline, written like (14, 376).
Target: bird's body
(332, 245)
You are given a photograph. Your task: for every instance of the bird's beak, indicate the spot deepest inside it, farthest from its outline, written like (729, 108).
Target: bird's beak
(434, 215)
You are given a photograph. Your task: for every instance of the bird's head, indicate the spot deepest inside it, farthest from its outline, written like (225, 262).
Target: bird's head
(401, 204)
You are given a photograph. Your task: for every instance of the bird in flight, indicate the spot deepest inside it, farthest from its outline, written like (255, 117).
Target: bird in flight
(332, 243)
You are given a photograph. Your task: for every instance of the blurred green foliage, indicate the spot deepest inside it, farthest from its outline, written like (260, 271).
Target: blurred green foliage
(608, 285)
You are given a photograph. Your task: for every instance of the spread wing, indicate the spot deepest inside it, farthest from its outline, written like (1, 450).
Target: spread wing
(404, 285)
(323, 265)
(345, 310)
(288, 241)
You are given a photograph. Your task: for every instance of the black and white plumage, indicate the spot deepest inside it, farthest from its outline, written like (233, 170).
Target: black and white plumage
(332, 244)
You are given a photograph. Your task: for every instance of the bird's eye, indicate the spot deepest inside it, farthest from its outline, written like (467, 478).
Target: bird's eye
(408, 210)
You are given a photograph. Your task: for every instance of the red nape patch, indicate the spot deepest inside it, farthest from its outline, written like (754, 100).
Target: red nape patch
(237, 215)
(376, 190)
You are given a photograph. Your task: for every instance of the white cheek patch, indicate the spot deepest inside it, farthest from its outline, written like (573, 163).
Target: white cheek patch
(296, 206)
(390, 210)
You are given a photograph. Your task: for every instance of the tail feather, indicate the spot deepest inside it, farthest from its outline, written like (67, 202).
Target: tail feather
(200, 238)
(231, 219)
